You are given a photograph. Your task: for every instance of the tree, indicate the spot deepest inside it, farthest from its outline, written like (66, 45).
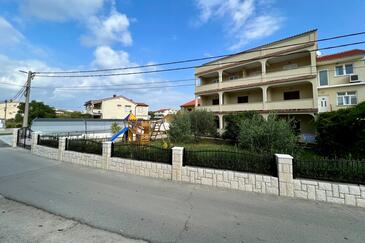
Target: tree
(36, 110)
(180, 128)
(342, 133)
(272, 135)
(115, 127)
(233, 122)
(202, 123)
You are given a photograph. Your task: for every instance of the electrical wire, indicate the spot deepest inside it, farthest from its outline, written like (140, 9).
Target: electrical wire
(257, 49)
(191, 67)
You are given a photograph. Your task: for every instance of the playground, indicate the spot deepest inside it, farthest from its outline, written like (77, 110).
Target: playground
(140, 131)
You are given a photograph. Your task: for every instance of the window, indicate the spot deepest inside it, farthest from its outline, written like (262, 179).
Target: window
(323, 78)
(291, 95)
(119, 105)
(349, 69)
(346, 98)
(242, 99)
(344, 69)
(215, 101)
(290, 66)
(127, 108)
(233, 77)
(215, 80)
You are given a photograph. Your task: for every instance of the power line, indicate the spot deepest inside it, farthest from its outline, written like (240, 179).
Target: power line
(191, 67)
(201, 59)
(141, 88)
(100, 87)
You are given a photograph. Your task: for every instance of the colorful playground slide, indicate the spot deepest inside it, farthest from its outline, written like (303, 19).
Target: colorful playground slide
(121, 132)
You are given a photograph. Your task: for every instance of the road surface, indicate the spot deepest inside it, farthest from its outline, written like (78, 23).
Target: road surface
(21, 223)
(165, 211)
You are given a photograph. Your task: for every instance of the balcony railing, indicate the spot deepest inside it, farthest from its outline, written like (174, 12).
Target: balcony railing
(206, 87)
(290, 104)
(212, 108)
(243, 106)
(290, 73)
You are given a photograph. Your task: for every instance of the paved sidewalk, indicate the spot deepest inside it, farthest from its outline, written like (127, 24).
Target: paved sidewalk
(21, 223)
(166, 211)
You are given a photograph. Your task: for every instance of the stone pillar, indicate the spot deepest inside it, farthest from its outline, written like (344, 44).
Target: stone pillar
(263, 69)
(107, 154)
(220, 76)
(61, 147)
(285, 174)
(264, 97)
(177, 163)
(35, 136)
(15, 137)
(196, 100)
(221, 101)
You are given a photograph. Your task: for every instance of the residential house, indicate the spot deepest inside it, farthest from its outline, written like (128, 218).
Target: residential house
(189, 106)
(341, 79)
(282, 77)
(161, 113)
(116, 107)
(11, 108)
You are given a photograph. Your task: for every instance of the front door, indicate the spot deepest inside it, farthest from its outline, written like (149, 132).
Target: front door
(322, 103)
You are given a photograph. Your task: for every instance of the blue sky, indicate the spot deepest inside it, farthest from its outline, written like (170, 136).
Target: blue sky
(42, 35)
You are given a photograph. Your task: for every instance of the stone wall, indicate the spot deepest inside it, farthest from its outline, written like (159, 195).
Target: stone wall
(142, 168)
(230, 179)
(283, 185)
(332, 192)
(51, 153)
(91, 160)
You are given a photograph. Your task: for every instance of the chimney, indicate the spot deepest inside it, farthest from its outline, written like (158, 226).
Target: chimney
(114, 95)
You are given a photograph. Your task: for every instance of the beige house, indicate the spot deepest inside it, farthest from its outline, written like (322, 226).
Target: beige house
(11, 108)
(341, 79)
(116, 107)
(280, 77)
(161, 113)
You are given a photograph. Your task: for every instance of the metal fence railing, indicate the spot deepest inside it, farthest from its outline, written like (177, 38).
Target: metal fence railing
(48, 141)
(231, 160)
(142, 152)
(339, 170)
(84, 145)
(24, 138)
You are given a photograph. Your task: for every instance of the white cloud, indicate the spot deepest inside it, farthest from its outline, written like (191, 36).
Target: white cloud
(245, 20)
(60, 10)
(105, 31)
(9, 35)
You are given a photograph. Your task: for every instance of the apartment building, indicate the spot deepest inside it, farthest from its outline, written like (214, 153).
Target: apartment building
(11, 108)
(162, 113)
(280, 77)
(116, 107)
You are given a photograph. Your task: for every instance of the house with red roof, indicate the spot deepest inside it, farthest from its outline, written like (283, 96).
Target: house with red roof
(190, 105)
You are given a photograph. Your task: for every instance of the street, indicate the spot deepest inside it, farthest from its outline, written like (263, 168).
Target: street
(166, 211)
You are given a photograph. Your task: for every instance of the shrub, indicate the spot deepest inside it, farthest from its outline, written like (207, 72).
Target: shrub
(272, 135)
(180, 128)
(189, 125)
(233, 124)
(115, 127)
(342, 133)
(202, 123)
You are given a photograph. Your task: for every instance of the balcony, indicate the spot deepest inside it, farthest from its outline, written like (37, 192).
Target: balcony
(206, 87)
(212, 108)
(243, 107)
(290, 73)
(290, 104)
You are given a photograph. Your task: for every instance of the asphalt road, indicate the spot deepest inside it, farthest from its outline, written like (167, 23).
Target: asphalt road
(166, 211)
(21, 223)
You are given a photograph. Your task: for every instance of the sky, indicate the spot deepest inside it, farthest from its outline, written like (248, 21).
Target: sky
(63, 35)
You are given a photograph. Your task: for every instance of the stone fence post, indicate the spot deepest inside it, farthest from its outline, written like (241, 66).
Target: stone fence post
(15, 137)
(285, 174)
(107, 154)
(177, 163)
(61, 147)
(34, 141)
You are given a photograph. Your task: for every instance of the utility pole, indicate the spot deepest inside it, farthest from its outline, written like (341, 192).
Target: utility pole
(5, 110)
(27, 97)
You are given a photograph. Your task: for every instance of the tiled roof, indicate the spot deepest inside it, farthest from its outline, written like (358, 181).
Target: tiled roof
(162, 110)
(115, 97)
(190, 103)
(338, 55)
